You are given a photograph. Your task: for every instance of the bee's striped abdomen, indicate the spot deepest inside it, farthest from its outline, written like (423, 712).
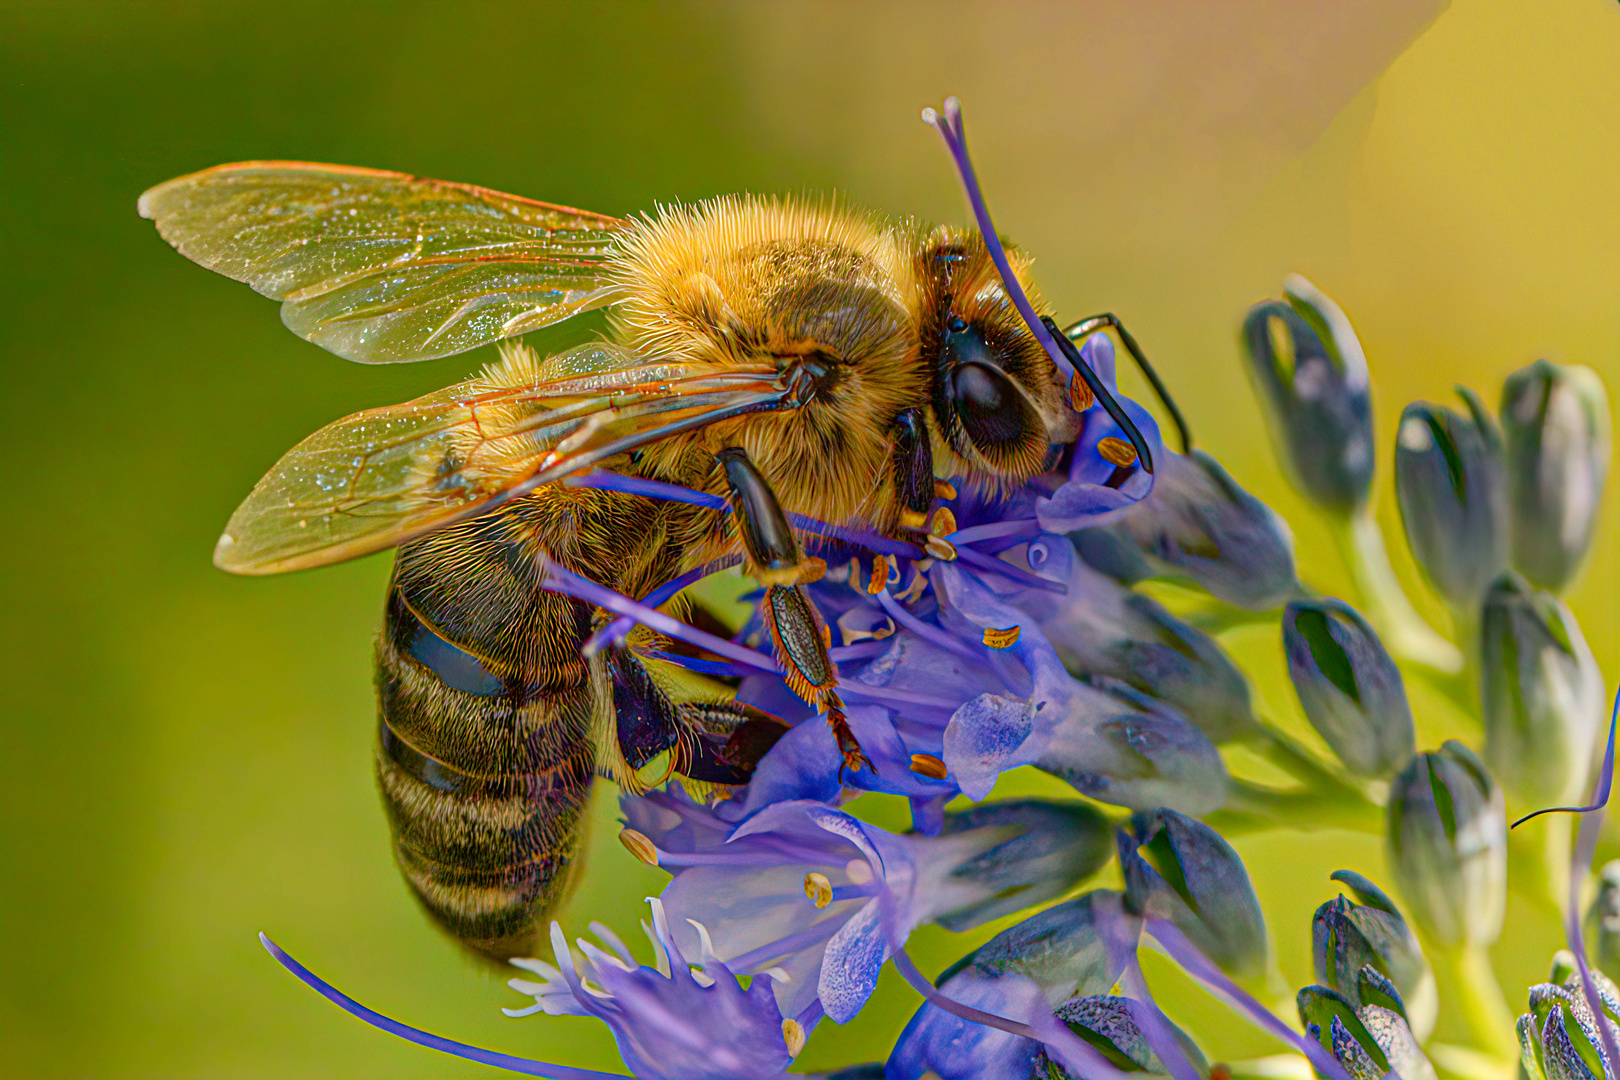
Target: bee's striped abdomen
(485, 753)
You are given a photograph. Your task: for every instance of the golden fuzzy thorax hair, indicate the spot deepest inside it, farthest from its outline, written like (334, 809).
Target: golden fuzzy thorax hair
(744, 280)
(748, 280)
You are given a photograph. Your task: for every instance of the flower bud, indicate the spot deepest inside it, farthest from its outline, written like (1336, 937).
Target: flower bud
(1447, 845)
(1559, 1038)
(1062, 948)
(1199, 524)
(1542, 694)
(1448, 481)
(1555, 428)
(1603, 922)
(1349, 687)
(1050, 848)
(1124, 748)
(1073, 949)
(1182, 870)
(1110, 1024)
(1371, 1040)
(1308, 369)
(1347, 936)
(1100, 628)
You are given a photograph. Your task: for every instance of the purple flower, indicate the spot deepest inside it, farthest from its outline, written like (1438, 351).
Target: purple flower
(1023, 971)
(670, 1020)
(949, 680)
(813, 899)
(1198, 524)
(1097, 488)
(1101, 628)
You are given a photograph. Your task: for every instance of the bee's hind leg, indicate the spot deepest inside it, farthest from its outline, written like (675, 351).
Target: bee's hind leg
(725, 741)
(800, 638)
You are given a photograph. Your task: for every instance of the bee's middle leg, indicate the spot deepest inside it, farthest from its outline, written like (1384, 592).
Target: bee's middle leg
(800, 638)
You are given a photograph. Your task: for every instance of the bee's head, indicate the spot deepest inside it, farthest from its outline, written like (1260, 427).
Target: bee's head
(995, 391)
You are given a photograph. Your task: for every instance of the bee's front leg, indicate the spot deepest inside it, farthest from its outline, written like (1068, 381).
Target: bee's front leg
(800, 638)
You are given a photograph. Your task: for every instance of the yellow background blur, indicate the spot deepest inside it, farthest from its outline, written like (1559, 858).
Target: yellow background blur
(186, 756)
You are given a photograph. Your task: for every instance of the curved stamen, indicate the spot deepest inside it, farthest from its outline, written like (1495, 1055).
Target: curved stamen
(616, 630)
(1600, 797)
(658, 489)
(1014, 527)
(950, 129)
(563, 580)
(423, 1038)
(993, 565)
(1191, 960)
(719, 668)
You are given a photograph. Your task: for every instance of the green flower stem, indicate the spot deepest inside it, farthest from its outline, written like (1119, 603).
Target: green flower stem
(1251, 808)
(1477, 997)
(1294, 759)
(1402, 629)
(1324, 800)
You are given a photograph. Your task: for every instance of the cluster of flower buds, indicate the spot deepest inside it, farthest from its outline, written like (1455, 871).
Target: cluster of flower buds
(1569, 1032)
(1020, 636)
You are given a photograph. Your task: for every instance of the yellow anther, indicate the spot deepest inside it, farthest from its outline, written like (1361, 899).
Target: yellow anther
(913, 519)
(1080, 393)
(943, 523)
(793, 1035)
(818, 889)
(944, 489)
(941, 549)
(880, 575)
(1000, 639)
(639, 846)
(826, 636)
(812, 570)
(928, 765)
(1116, 452)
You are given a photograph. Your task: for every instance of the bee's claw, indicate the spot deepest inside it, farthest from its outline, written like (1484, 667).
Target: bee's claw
(854, 759)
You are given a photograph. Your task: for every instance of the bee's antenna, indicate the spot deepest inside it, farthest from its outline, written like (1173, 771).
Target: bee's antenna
(949, 126)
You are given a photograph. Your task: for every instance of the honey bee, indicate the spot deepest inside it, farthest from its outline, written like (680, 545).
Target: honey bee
(781, 355)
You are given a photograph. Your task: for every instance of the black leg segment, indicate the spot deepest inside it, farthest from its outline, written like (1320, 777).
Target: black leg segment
(913, 464)
(1085, 327)
(766, 534)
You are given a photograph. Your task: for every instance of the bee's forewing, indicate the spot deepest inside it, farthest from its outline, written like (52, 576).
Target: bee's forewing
(383, 267)
(383, 476)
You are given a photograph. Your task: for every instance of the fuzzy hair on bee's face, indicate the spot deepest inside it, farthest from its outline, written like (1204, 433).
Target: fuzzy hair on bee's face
(994, 390)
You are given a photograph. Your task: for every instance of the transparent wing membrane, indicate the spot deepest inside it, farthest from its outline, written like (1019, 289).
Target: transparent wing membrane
(382, 267)
(383, 476)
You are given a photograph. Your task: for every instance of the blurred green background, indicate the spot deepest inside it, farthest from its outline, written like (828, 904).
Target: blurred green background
(186, 755)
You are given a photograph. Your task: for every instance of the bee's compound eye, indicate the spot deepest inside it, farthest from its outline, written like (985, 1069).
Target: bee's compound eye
(994, 413)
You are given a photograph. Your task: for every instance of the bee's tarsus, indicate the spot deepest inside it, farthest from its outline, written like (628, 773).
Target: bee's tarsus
(848, 746)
